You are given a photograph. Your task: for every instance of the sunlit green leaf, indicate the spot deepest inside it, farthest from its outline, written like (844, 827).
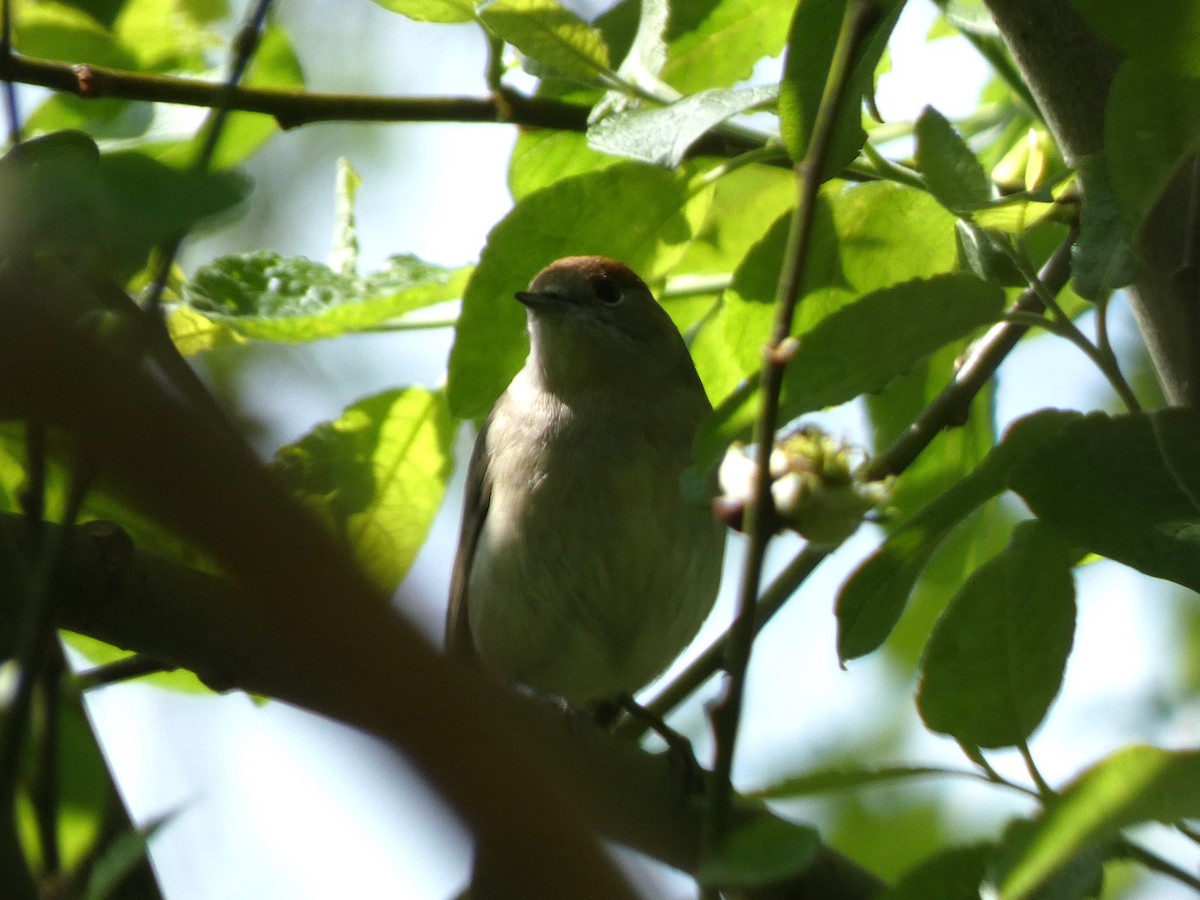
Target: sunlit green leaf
(163, 35)
(343, 257)
(550, 34)
(663, 136)
(376, 476)
(811, 42)
(541, 157)
(1137, 784)
(721, 47)
(275, 65)
(864, 238)
(860, 348)
(746, 202)
(951, 170)
(268, 297)
(98, 653)
(60, 31)
(446, 11)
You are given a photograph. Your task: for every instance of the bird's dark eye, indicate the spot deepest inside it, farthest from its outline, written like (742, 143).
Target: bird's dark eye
(607, 291)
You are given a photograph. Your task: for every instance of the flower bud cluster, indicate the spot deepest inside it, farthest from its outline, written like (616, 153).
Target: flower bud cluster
(815, 487)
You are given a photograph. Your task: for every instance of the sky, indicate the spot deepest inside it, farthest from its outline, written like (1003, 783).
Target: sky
(269, 802)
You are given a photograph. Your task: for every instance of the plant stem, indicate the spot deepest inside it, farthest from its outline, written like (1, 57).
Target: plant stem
(861, 16)
(712, 659)
(244, 44)
(125, 669)
(951, 406)
(1156, 863)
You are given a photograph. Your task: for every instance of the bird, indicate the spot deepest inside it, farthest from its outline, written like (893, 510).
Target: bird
(582, 571)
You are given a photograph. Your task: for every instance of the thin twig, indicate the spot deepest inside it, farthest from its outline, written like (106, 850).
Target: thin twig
(860, 18)
(951, 406)
(712, 659)
(37, 630)
(1035, 773)
(292, 108)
(125, 669)
(244, 45)
(45, 790)
(1107, 364)
(1156, 863)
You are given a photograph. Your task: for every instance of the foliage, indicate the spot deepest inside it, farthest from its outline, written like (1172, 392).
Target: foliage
(909, 262)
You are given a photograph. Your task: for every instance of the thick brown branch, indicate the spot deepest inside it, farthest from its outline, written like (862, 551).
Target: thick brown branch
(295, 619)
(111, 591)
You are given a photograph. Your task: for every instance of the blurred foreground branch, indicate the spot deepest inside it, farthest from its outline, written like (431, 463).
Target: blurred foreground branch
(295, 619)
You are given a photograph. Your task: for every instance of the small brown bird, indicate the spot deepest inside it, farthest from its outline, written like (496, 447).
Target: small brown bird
(581, 570)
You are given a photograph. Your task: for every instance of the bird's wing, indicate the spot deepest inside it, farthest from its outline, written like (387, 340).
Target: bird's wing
(476, 498)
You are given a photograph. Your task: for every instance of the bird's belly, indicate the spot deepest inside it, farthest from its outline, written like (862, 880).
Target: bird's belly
(589, 587)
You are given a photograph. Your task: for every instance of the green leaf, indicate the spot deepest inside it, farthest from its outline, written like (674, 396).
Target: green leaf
(1168, 39)
(746, 201)
(761, 851)
(1102, 259)
(112, 208)
(551, 35)
(98, 653)
(1151, 127)
(856, 247)
(811, 42)
(343, 257)
(1080, 876)
(1136, 784)
(58, 31)
(996, 657)
(1177, 432)
(164, 35)
(445, 11)
(824, 780)
(871, 600)
(663, 136)
(123, 853)
(376, 476)
(721, 48)
(641, 215)
(542, 157)
(275, 65)
(268, 297)
(648, 53)
(980, 252)
(860, 348)
(951, 170)
(953, 874)
(1103, 481)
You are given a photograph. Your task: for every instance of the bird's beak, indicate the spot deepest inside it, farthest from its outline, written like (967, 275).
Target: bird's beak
(539, 302)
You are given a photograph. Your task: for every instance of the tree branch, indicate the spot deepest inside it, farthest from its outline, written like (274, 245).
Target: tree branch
(293, 108)
(1070, 71)
(111, 591)
(295, 619)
